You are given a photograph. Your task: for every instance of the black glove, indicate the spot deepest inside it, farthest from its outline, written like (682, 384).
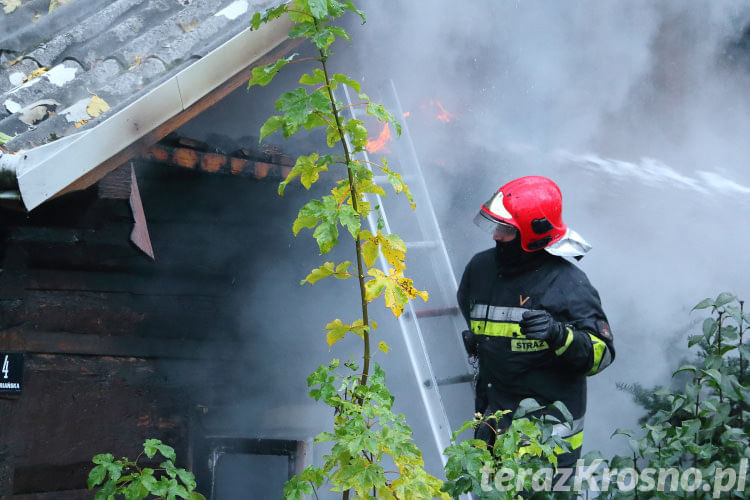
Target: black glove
(470, 342)
(539, 325)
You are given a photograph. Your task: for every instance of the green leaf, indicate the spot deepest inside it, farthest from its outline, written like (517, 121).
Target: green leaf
(271, 125)
(692, 426)
(187, 478)
(321, 102)
(169, 468)
(96, 476)
(370, 247)
(709, 328)
(295, 106)
(107, 492)
(341, 272)
(151, 484)
(325, 214)
(268, 15)
(383, 346)
(323, 37)
(337, 330)
(103, 458)
(318, 8)
(703, 304)
(303, 30)
(332, 135)
(724, 298)
(340, 32)
(350, 6)
(383, 115)
(357, 133)
(317, 77)
(622, 432)
(345, 80)
(114, 469)
(368, 186)
(151, 446)
(567, 416)
(399, 186)
(135, 491)
(694, 339)
(350, 219)
(308, 169)
(326, 235)
(527, 406)
(685, 368)
(262, 75)
(713, 374)
(168, 452)
(194, 495)
(4, 138)
(634, 446)
(307, 218)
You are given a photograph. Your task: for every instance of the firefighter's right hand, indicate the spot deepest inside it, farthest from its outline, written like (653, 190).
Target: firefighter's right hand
(470, 342)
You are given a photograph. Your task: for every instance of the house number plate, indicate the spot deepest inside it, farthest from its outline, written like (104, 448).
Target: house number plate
(11, 371)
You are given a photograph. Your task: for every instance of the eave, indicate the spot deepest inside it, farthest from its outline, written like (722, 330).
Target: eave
(77, 161)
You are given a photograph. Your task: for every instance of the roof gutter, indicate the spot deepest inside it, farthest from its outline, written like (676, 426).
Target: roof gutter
(49, 170)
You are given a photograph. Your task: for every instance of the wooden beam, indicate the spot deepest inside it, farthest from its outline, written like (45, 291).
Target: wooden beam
(216, 163)
(17, 339)
(121, 314)
(197, 284)
(140, 146)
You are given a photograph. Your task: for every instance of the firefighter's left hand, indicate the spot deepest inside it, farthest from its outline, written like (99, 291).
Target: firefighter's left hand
(539, 325)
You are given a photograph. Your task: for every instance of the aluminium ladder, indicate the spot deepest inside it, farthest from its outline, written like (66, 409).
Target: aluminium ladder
(431, 333)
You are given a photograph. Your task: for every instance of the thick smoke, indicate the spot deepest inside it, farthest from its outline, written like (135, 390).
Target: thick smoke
(639, 110)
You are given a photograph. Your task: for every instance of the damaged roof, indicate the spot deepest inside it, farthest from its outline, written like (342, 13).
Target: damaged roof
(71, 66)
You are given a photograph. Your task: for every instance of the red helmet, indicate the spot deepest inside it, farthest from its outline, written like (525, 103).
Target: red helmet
(531, 204)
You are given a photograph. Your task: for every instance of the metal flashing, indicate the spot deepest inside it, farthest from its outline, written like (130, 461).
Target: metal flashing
(48, 170)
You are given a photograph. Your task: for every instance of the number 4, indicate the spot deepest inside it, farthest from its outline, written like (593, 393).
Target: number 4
(6, 369)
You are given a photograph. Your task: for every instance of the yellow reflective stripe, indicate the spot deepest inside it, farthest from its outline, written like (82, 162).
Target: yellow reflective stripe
(599, 349)
(568, 341)
(575, 441)
(511, 330)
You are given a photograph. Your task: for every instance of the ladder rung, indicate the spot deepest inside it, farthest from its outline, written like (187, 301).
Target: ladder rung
(421, 244)
(457, 379)
(382, 180)
(431, 313)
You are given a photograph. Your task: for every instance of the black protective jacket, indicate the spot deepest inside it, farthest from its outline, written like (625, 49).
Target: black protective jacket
(512, 368)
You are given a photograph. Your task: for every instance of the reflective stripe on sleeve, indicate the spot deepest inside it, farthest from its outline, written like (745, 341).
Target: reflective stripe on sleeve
(568, 341)
(602, 356)
(565, 431)
(575, 441)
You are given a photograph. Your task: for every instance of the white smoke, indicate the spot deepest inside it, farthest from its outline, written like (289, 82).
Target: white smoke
(639, 110)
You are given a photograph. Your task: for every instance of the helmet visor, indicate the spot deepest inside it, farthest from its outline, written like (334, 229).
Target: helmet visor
(493, 227)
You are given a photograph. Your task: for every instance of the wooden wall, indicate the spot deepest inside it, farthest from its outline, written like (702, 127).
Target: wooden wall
(112, 339)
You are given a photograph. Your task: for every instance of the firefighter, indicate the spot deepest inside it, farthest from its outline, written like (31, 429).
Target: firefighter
(536, 324)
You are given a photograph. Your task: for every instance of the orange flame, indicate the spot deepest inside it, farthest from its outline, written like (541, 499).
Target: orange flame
(375, 145)
(444, 115)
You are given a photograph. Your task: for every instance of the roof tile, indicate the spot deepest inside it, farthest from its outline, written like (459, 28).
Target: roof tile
(115, 49)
